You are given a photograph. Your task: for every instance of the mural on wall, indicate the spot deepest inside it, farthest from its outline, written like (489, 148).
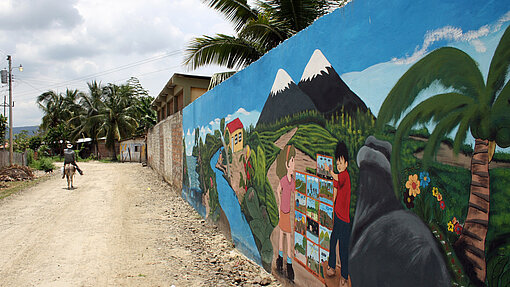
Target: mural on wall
(372, 169)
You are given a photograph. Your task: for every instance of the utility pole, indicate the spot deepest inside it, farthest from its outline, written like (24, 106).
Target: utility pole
(11, 150)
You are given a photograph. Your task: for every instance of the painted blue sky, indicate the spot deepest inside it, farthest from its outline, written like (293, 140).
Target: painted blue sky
(370, 47)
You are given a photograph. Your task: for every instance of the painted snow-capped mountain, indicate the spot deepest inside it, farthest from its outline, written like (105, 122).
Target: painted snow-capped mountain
(320, 88)
(326, 89)
(285, 99)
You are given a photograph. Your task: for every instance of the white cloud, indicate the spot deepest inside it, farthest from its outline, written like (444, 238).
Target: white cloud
(243, 111)
(479, 46)
(65, 44)
(453, 34)
(501, 21)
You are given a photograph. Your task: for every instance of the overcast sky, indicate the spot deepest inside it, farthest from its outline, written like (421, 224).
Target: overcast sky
(76, 41)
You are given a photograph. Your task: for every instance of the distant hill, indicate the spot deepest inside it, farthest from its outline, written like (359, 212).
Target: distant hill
(16, 130)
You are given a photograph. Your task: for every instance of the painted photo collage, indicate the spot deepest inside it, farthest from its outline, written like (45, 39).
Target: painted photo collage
(314, 219)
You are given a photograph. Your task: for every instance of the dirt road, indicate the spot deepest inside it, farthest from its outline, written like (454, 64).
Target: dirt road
(120, 226)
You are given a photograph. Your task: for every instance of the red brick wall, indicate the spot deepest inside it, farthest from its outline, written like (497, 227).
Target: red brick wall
(104, 152)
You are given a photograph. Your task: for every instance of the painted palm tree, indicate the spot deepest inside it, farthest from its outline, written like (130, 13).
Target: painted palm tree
(258, 29)
(472, 104)
(116, 115)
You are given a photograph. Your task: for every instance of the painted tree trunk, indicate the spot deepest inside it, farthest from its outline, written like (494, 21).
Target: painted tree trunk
(471, 243)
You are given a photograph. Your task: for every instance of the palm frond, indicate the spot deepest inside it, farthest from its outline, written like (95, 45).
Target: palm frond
(451, 67)
(436, 109)
(446, 125)
(267, 31)
(499, 65)
(218, 78)
(236, 11)
(500, 118)
(223, 50)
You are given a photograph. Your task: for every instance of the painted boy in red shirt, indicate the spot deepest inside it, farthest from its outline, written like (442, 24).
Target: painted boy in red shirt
(341, 227)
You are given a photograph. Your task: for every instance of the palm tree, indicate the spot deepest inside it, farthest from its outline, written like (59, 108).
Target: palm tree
(88, 124)
(72, 107)
(146, 116)
(258, 30)
(473, 104)
(53, 106)
(59, 110)
(116, 115)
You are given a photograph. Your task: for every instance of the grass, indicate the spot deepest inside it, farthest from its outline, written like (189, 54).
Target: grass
(14, 187)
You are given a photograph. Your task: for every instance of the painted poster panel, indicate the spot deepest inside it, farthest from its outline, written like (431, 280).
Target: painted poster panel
(407, 106)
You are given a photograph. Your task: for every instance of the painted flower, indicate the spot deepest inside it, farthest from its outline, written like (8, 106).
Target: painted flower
(439, 197)
(458, 228)
(442, 205)
(424, 178)
(408, 200)
(413, 184)
(454, 220)
(435, 191)
(450, 226)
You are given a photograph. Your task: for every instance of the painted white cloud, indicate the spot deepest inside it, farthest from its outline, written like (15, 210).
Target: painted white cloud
(453, 34)
(374, 83)
(479, 46)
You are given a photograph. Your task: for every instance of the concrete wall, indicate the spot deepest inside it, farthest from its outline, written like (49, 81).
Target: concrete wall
(352, 75)
(164, 149)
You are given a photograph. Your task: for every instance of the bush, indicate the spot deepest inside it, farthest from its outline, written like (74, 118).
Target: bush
(44, 163)
(43, 150)
(30, 156)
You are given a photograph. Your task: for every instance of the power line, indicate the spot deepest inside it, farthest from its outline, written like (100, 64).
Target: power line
(113, 70)
(23, 95)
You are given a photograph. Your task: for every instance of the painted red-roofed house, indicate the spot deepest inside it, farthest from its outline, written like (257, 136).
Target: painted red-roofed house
(235, 129)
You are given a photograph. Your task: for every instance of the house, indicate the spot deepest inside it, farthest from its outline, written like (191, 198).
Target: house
(105, 152)
(235, 129)
(86, 148)
(179, 92)
(133, 150)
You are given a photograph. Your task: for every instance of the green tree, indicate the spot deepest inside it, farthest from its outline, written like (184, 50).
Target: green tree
(35, 142)
(53, 106)
(3, 128)
(116, 115)
(146, 116)
(88, 122)
(475, 105)
(55, 137)
(59, 115)
(258, 29)
(21, 141)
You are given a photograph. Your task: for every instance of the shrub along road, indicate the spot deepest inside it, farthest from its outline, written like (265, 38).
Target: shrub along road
(120, 226)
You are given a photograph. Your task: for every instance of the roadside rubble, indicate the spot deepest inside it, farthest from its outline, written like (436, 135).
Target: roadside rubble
(16, 173)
